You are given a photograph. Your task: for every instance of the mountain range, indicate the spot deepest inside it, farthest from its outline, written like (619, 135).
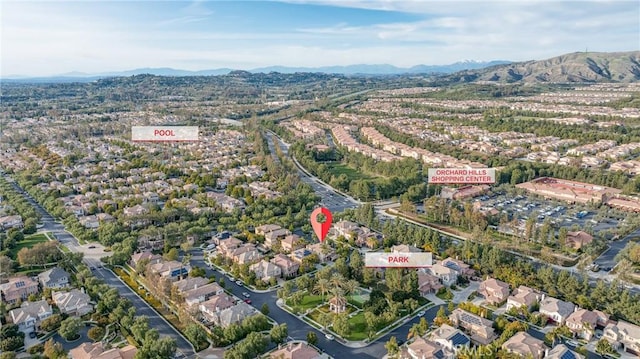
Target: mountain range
(361, 69)
(573, 67)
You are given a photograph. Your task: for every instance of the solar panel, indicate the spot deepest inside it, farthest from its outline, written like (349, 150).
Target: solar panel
(459, 339)
(568, 355)
(439, 354)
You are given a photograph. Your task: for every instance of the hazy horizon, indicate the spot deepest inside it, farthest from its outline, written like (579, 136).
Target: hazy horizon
(59, 37)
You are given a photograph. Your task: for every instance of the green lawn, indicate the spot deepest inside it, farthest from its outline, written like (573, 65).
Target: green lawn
(358, 327)
(308, 302)
(353, 174)
(27, 242)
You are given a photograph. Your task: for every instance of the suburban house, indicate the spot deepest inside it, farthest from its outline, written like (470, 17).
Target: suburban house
(265, 270)
(346, 229)
(426, 349)
(624, 336)
(494, 291)
(198, 294)
(450, 338)
(55, 277)
(30, 314)
(463, 269)
(18, 288)
(7, 222)
(556, 309)
(481, 329)
(582, 323)
(579, 239)
(525, 345)
(189, 283)
(299, 254)
(247, 253)
(447, 275)
(98, 351)
(89, 222)
(428, 283)
(234, 314)
(73, 302)
(324, 251)
(212, 307)
(288, 267)
(225, 246)
(145, 255)
(291, 242)
(562, 352)
(523, 297)
(403, 248)
(172, 270)
(365, 237)
(148, 242)
(266, 228)
(296, 351)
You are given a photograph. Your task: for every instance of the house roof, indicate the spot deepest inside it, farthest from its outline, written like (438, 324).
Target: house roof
(426, 349)
(581, 316)
(553, 305)
(29, 310)
(97, 351)
(562, 352)
(73, 298)
(524, 344)
(52, 275)
(190, 283)
(235, 314)
(295, 351)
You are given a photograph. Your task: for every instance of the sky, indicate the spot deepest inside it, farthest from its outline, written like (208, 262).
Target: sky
(57, 37)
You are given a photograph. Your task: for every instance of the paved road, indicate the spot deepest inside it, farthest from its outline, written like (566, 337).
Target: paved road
(142, 308)
(334, 201)
(606, 259)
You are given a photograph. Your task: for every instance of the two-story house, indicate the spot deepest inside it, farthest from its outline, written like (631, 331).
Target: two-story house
(18, 288)
(451, 339)
(582, 323)
(447, 275)
(523, 297)
(288, 267)
(30, 314)
(55, 277)
(480, 329)
(494, 291)
(556, 309)
(265, 270)
(172, 270)
(624, 336)
(422, 348)
(428, 283)
(525, 345)
(200, 294)
(73, 302)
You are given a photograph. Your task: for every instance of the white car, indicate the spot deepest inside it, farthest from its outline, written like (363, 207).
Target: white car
(421, 313)
(245, 294)
(329, 336)
(239, 282)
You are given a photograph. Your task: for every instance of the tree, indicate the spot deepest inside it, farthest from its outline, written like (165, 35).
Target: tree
(7, 267)
(322, 287)
(198, 272)
(341, 325)
(264, 309)
(324, 319)
(11, 344)
(8, 355)
(53, 350)
(96, 333)
(171, 255)
(312, 338)
(139, 328)
(414, 331)
(604, 347)
(70, 328)
(196, 334)
(392, 347)
(279, 333)
(9, 330)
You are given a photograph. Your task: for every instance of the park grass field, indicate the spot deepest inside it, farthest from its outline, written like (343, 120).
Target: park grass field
(352, 174)
(27, 242)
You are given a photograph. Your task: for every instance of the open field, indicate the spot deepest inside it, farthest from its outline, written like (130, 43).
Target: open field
(352, 174)
(27, 242)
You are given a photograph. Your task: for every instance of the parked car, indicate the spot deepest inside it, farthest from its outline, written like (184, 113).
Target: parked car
(245, 294)
(329, 337)
(248, 301)
(239, 282)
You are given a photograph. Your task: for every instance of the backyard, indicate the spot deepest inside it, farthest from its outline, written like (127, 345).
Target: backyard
(27, 242)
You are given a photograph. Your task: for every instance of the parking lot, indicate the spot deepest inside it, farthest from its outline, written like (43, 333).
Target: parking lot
(559, 214)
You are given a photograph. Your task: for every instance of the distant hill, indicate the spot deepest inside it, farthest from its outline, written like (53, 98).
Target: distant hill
(574, 67)
(361, 69)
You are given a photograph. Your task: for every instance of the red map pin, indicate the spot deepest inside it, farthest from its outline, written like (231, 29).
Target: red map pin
(321, 229)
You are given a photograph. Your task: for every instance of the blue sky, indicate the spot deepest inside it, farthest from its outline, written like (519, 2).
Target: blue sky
(54, 37)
